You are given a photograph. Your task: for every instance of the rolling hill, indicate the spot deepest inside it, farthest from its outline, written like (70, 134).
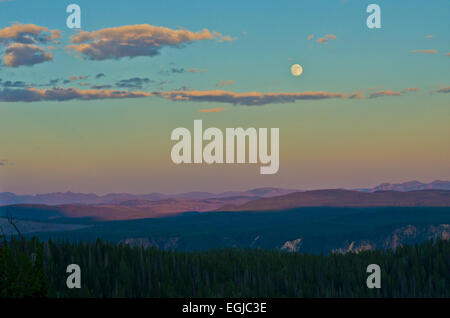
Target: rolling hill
(346, 198)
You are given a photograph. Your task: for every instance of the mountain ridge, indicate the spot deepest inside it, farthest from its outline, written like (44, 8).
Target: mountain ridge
(346, 198)
(59, 198)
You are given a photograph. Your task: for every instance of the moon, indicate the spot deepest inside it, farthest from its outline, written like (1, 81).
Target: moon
(296, 69)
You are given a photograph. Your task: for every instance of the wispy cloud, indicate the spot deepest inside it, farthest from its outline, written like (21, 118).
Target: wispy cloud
(383, 93)
(431, 51)
(212, 110)
(442, 90)
(136, 40)
(32, 94)
(225, 83)
(135, 82)
(410, 89)
(11, 84)
(388, 92)
(101, 86)
(196, 70)
(310, 37)
(77, 78)
(326, 38)
(357, 95)
(248, 99)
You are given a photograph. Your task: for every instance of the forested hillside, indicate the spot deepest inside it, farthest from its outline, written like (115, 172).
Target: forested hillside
(31, 268)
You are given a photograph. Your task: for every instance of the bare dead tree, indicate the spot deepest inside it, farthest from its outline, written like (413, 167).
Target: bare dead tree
(13, 224)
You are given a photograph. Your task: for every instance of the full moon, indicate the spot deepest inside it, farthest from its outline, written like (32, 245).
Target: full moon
(296, 69)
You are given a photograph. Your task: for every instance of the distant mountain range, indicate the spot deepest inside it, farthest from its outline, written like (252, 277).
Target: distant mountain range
(310, 221)
(143, 209)
(59, 198)
(346, 198)
(409, 186)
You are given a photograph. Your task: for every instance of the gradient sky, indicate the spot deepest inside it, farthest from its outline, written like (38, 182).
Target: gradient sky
(396, 129)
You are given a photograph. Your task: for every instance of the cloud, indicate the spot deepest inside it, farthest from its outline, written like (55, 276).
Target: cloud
(177, 70)
(173, 70)
(212, 110)
(12, 84)
(77, 78)
(196, 70)
(357, 95)
(22, 84)
(448, 54)
(181, 70)
(442, 90)
(18, 54)
(410, 89)
(326, 38)
(310, 37)
(99, 75)
(55, 34)
(32, 94)
(135, 82)
(136, 40)
(429, 36)
(101, 86)
(248, 99)
(383, 93)
(27, 34)
(424, 51)
(224, 83)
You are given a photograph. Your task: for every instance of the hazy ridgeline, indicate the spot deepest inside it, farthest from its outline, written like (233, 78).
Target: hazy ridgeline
(33, 268)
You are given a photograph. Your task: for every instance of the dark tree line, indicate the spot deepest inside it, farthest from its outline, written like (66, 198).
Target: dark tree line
(33, 268)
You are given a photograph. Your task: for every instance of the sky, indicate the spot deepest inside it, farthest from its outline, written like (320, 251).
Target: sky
(92, 110)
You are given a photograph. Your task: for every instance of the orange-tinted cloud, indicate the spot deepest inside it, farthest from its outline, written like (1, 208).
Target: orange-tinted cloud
(410, 89)
(21, 41)
(76, 78)
(357, 95)
(63, 94)
(27, 34)
(310, 37)
(442, 90)
(248, 99)
(196, 70)
(425, 51)
(55, 34)
(383, 93)
(18, 54)
(326, 38)
(136, 40)
(224, 83)
(212, 110)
